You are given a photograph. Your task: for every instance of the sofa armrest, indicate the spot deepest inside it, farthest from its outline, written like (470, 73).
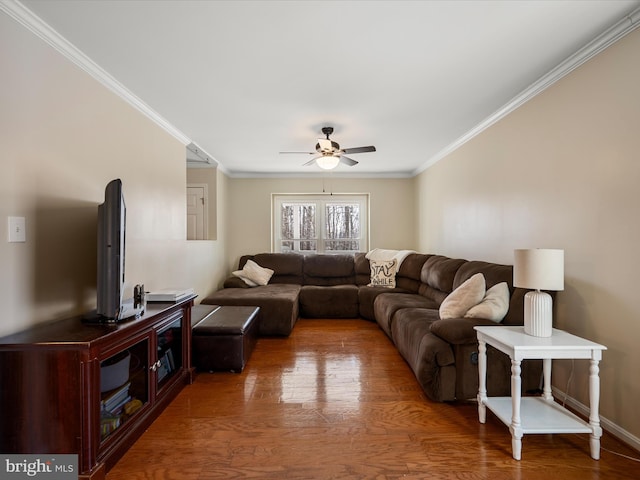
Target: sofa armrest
(459, 331)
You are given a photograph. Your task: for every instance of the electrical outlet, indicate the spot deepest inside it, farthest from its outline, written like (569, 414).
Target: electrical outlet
(17, 229)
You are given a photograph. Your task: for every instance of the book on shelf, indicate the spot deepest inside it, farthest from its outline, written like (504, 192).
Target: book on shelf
(117, 408)
(166, 365)
(162, 372)
(169, 295)
(113, 398)
(108, 423)
(172, 363)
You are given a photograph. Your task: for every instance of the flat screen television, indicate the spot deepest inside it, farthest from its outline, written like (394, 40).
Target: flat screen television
(112, 223)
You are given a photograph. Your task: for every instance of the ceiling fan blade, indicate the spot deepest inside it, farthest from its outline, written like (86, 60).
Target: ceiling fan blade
(348, 161)
(370, 148)
(310, 162)
(307, 153)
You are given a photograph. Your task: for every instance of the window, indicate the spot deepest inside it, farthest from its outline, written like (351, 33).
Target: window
(320, 223)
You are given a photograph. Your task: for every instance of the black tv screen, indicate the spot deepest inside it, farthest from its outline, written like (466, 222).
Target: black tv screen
(111, 252)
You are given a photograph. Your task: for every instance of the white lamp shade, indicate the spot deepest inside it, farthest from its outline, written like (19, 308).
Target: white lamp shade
(327, 162)
(539, 268)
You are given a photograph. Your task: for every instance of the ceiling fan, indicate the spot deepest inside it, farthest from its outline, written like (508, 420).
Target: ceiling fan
(329, 154)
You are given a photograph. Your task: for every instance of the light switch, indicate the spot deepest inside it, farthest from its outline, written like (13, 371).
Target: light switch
(17, 229)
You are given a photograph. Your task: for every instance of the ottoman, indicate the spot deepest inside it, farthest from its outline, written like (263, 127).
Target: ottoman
(223, 337)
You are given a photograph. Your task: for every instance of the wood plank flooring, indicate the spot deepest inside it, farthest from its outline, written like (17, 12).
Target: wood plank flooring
(336, 401)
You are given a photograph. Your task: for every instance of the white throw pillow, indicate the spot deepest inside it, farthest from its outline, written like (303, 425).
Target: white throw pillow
(494, 305)
(383, 273)
(467, 295)
(253, 274)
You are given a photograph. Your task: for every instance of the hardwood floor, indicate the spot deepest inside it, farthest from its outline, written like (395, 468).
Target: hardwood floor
(335, 400)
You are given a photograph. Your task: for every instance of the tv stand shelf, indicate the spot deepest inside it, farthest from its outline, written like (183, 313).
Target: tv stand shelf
(51, 399)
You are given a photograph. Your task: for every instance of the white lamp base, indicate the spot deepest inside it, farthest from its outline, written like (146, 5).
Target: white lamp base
(538, 314)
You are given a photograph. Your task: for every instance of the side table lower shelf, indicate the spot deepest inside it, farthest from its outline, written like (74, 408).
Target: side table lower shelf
(538, 415)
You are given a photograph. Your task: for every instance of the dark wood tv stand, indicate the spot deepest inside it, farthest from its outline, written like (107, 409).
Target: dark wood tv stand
(51, 377)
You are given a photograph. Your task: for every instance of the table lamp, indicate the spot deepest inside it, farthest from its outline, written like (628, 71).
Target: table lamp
(538, 269)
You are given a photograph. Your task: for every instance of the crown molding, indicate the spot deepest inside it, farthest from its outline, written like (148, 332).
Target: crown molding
(590, 50)
(40, 28)
(323, 174)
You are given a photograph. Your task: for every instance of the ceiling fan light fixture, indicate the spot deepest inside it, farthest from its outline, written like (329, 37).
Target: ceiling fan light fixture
(328, 162)
(329, 154)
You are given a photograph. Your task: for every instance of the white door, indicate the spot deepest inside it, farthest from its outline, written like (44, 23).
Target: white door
(196, 212)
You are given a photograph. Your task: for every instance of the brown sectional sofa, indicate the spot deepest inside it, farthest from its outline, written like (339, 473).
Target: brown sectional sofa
(441, 353)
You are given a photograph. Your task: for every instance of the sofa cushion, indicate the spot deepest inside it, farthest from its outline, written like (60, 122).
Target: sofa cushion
(408, 276)
(235, 282)
(515, 315)
(287, 267)
(387, 304)
(439, 272)
(362, 269)
(409, 326)
(459, 330)
(328, 270)
(493, 273)
(467, 295)
(494, 305)
(367, 296)
(437, 275)
(337, 301)
(431, 359)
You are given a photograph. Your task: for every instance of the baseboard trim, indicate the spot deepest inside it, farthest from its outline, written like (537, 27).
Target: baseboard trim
(607, 425)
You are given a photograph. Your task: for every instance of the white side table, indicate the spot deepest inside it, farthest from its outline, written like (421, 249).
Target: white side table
(538, 414)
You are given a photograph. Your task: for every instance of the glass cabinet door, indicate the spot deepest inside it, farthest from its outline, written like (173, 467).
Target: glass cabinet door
(169, 351)
(124, 386)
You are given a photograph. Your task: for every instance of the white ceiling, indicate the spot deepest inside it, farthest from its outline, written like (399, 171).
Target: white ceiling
(247, 79)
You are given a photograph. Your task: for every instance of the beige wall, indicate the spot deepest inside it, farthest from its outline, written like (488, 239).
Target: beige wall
(392, 218)
(560, 172)
(63, 136)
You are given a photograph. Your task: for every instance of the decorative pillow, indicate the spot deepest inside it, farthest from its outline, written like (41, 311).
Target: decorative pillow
(467, 295)
(253, 274)
(494, 305)
(383, 273)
